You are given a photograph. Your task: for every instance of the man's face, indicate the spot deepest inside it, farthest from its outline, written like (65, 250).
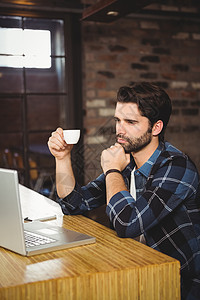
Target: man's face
(133, 131)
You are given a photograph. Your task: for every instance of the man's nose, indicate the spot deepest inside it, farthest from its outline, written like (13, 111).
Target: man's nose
(120, 129)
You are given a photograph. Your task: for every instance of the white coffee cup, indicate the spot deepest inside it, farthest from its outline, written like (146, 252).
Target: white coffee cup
(71, 136)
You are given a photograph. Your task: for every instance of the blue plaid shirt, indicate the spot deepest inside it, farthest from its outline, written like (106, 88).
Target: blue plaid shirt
(142, 174)
(167, 209)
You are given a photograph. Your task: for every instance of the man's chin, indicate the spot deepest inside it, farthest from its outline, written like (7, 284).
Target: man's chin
(126, 149)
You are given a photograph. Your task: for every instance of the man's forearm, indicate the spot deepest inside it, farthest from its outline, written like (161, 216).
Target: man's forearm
(65, 180)
(114, 184)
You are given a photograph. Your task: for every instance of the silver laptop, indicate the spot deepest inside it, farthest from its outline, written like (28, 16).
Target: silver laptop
(34, 237)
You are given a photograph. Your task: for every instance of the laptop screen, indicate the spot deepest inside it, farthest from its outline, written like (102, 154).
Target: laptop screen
(11, 221)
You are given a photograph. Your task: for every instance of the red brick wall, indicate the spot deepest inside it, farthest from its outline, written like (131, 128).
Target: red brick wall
(161, 50)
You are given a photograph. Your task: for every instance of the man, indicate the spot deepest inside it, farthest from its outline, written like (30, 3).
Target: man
(151, 188)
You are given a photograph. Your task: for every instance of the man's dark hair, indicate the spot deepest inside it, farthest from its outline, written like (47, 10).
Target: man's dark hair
(153, 102)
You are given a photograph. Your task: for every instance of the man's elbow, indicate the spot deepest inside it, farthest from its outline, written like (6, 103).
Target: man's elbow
(121, 232)
(124, 232)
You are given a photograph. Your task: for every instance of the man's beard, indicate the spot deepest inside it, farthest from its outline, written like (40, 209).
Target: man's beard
(136, 144)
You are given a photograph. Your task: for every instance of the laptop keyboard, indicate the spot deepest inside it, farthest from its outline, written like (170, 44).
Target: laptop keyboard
(34, 239)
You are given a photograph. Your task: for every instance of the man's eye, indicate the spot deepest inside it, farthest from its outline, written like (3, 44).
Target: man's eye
(131, 122)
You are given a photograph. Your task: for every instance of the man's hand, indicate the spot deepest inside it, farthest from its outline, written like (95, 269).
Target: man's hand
(65, 180)
(114, 158)
(57, 145)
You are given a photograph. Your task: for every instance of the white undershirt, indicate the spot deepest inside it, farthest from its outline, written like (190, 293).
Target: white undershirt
(132, 187)
(140, 238)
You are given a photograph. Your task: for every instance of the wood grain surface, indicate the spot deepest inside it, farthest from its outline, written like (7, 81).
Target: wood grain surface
(112, 268)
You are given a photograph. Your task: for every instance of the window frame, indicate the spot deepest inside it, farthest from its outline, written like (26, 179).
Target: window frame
(73, 75)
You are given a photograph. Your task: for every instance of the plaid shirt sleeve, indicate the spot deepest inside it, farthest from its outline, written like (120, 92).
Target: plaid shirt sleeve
(85, 198)
(172, 180)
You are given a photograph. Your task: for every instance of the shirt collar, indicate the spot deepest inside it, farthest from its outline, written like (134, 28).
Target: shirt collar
(145, 169)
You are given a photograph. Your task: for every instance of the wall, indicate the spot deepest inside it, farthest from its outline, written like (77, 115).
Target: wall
(162, 50)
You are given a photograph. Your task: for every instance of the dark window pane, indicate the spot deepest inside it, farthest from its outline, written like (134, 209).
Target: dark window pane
(11, 154)
(39, 150)
(10, 115)
(11, 80)
(49, 81)
(11, 141)
(43, 112)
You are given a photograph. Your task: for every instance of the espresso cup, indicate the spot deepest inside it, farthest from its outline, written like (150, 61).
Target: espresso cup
(71, 136)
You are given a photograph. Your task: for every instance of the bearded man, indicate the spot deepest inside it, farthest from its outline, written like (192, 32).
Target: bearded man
(150, 187)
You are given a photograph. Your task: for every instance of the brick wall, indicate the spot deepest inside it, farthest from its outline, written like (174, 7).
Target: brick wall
(160, 50)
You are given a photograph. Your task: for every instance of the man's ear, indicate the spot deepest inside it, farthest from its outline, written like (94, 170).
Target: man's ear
(157, 128)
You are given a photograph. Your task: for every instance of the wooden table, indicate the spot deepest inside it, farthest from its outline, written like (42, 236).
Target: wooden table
(112, 268)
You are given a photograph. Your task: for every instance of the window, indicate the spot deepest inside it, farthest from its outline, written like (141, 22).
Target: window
(25, 48)
(38, 96)
(32, 96)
